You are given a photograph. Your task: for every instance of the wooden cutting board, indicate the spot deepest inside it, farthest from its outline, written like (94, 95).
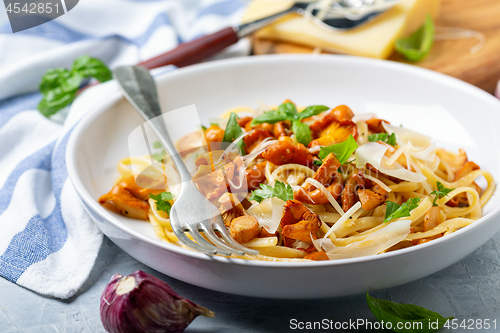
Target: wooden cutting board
(452, 57)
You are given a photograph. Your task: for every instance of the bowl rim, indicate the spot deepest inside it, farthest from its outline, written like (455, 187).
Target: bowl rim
(114, 98)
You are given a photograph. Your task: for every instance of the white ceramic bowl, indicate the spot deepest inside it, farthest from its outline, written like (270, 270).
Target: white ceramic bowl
(457, 114)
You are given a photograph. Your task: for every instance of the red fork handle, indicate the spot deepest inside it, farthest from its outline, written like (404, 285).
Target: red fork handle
(194, 51)
(189, 53)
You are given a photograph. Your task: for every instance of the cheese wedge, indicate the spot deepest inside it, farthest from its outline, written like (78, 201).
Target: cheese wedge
(375, 39)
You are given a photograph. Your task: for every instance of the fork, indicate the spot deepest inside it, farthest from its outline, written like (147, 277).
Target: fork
(191, 212)
(331, 15)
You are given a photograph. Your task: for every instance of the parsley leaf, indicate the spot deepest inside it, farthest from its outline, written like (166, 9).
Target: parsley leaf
(288, 111)
(302, 132)
(280, 190)
(417, 46)
(395, 211)
(163, 201)
(384, 137)
(342, 151)
(234, 131)
(317, 162)
(157, 145)
(60, 85)
(440, 192)
(399, 314)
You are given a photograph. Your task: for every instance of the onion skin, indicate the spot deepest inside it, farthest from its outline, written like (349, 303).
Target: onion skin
(151, 306)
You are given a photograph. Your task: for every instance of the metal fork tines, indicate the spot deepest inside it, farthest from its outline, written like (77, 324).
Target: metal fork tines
(191, 212)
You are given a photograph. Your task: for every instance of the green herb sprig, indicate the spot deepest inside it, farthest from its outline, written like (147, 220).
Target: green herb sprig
(233, 131)
(406, 318)
(395, 211)
(302, 132)
(342, 151)
(440, 192)
(418, 45)
(163, 201)
(60, 85)
(280, 190)
(384, 137)
(288, 111)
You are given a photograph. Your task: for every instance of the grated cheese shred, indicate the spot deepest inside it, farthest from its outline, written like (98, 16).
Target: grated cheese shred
(344, 218)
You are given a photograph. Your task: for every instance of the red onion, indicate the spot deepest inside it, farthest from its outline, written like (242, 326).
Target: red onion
(142, 303)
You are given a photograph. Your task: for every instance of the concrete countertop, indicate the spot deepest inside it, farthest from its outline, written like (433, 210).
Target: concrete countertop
(469, 289)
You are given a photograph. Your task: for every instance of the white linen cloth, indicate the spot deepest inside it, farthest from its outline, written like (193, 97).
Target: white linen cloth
(47, 241)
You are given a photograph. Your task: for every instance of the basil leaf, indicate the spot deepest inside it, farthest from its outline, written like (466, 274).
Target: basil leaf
(92, 67)
(55, 101)
(312, 110)
(399, 314)
(60, 78)
(440, 192)
(280, 190)
(52, 79)
(395, 211)
(163, 201)
(270, 117)
(317, 162)
(342, 151)
(59, 85)
(233, 131)
(286, 111)
(302, 132)
(417, 46)
(289, 109)
(384, 137)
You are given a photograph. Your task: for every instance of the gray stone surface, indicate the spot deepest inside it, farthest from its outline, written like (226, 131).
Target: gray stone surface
(468, 290)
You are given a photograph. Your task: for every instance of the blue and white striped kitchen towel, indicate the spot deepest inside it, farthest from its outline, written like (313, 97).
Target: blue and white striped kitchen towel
(47, 242)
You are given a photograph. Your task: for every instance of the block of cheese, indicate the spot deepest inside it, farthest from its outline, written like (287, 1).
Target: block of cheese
(375, 39)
